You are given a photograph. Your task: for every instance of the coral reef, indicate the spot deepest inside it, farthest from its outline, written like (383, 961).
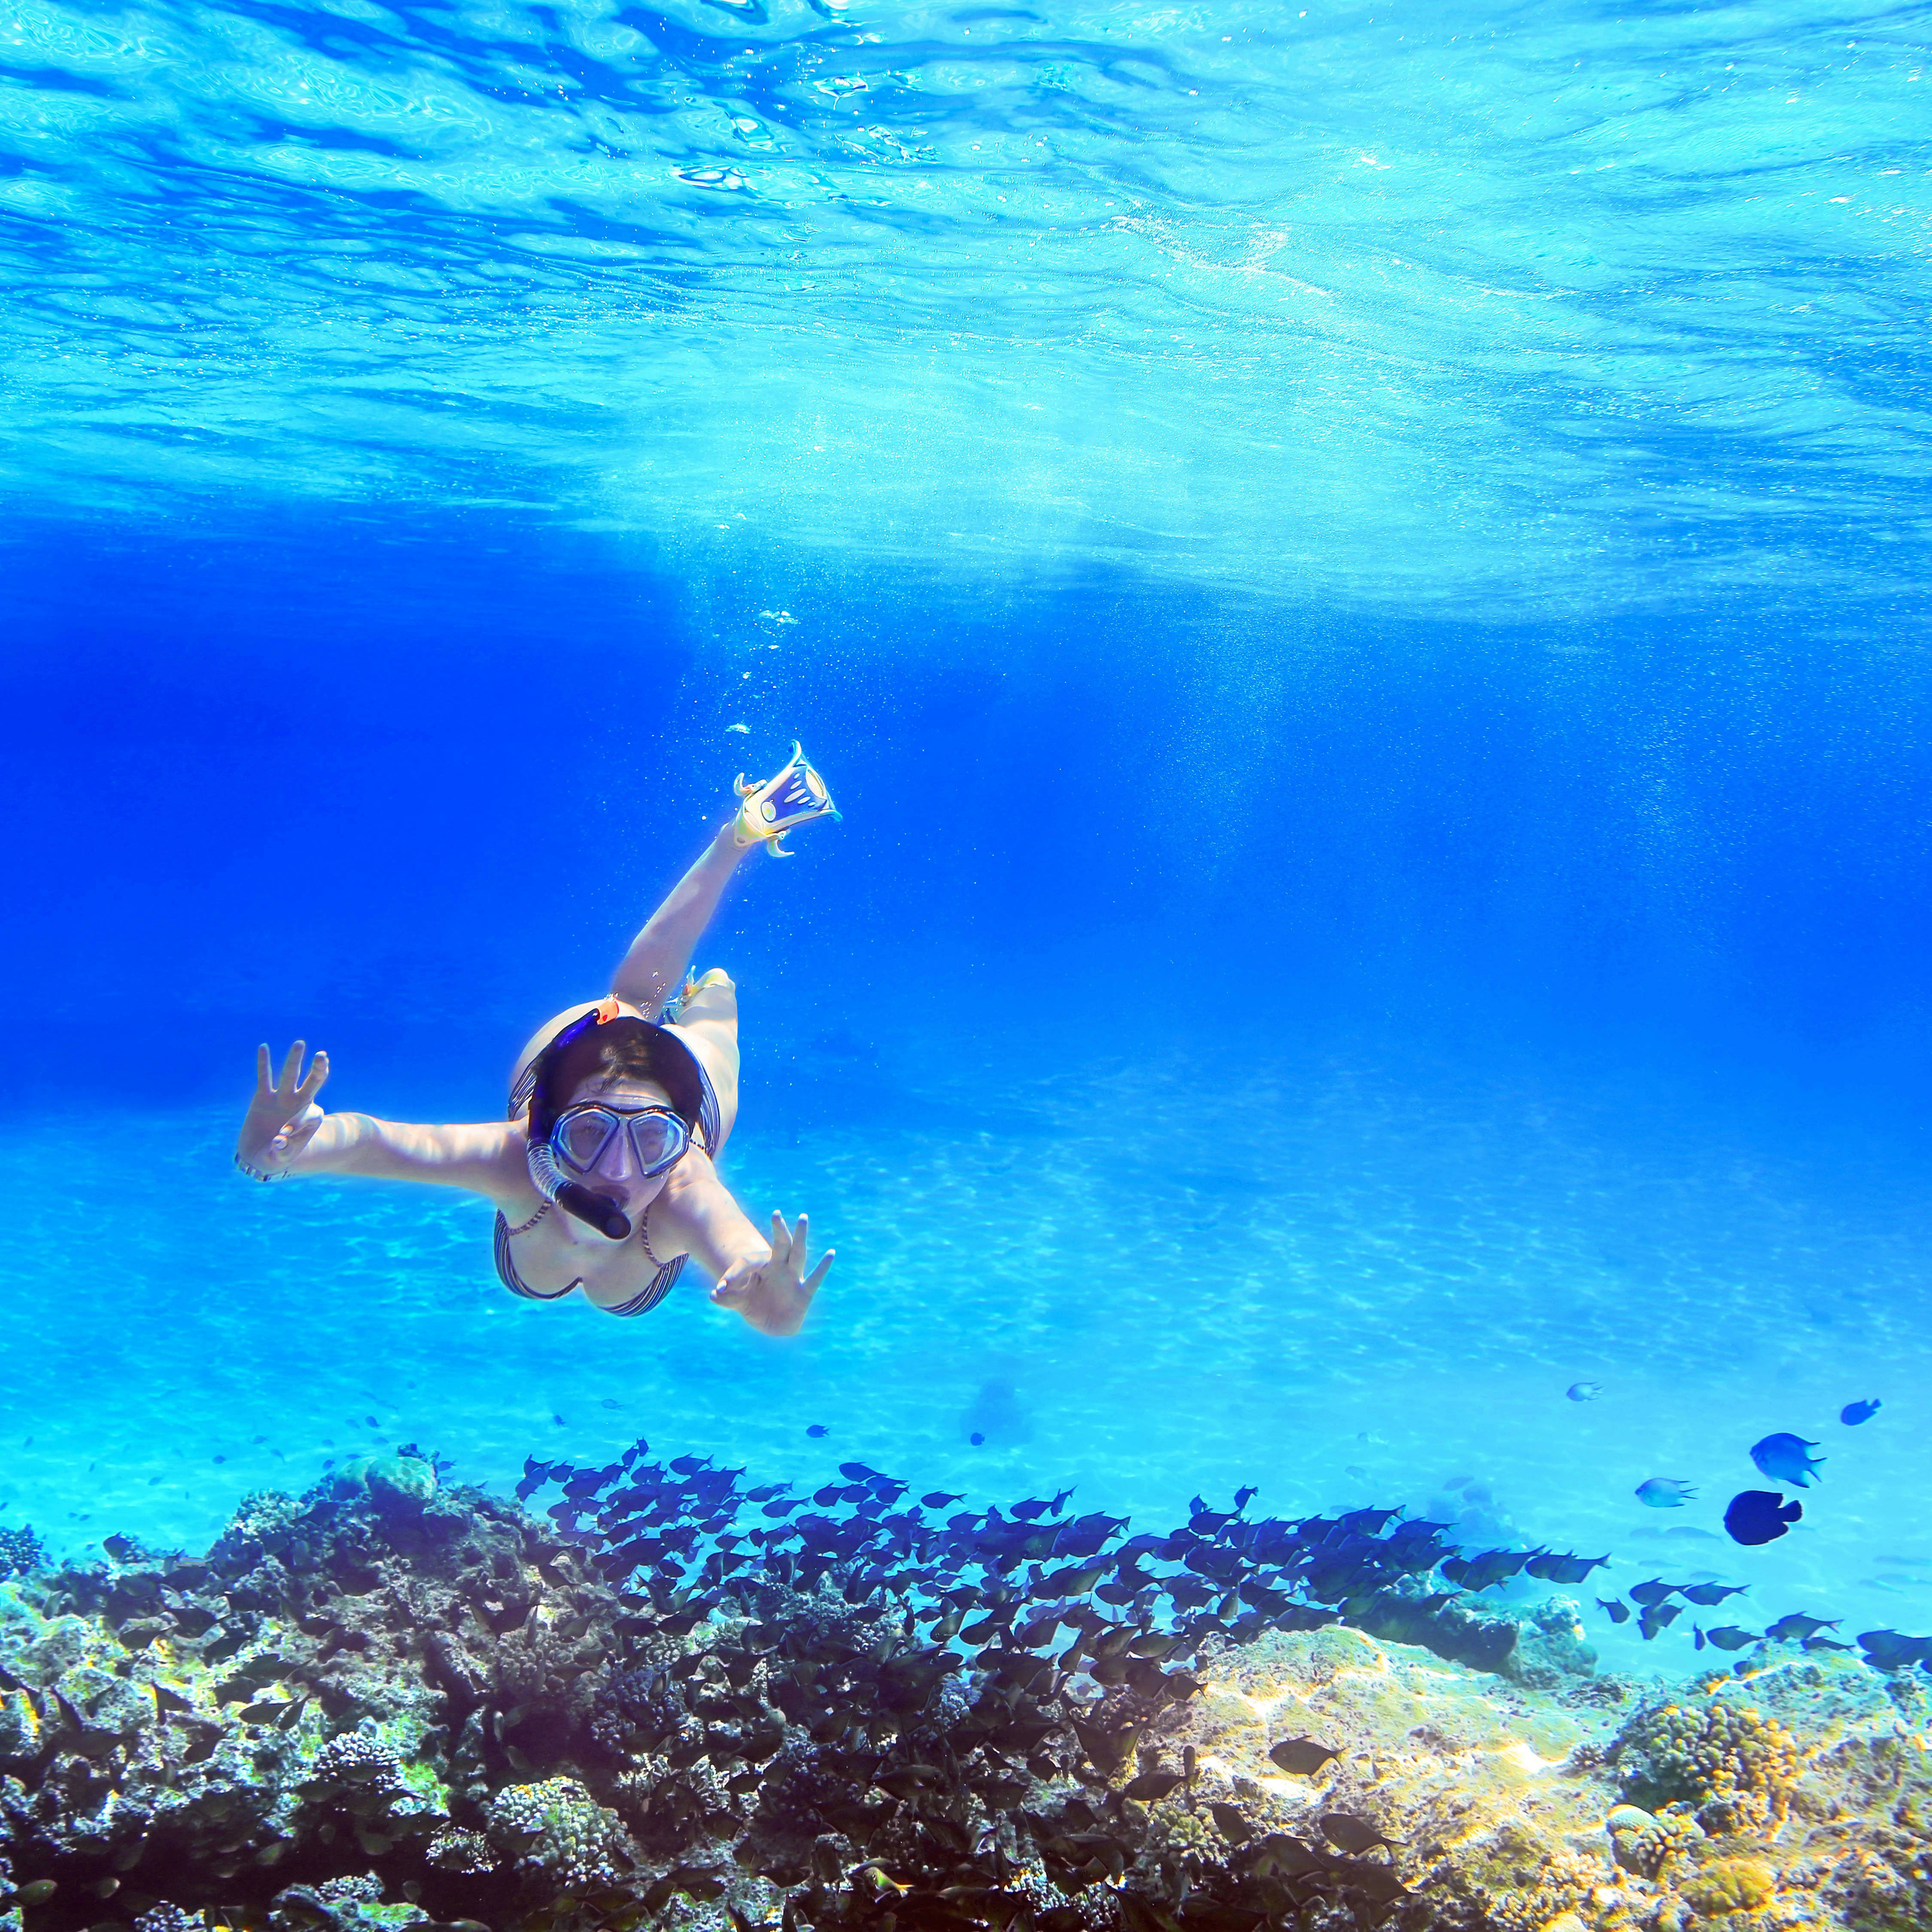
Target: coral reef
(390, 1705)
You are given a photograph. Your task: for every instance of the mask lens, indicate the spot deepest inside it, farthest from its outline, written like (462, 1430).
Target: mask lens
(580, 1139)
(657, 1139)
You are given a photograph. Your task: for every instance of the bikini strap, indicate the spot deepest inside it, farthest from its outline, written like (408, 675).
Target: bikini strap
(524, 1227)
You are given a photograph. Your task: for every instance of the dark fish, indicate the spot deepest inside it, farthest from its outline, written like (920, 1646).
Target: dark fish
(1651, 1593)
(1301, 1755)
(1279, 1855)
(1342, 1828)
(1853, 1413)
(1367, 1521)
(1760, 1515)
(1783, 1459)
(976, 1439)
(1728, 1636)
(1796, 1627)
(1152, 1785)
(815, 1430)
(1891, 1651)
(1378, 1884)
(1710, 1593)
(1234, 1828)
(1484, 1572)
(122, 1549)
(1108, 1750)
(1565, 1569)
(1618, 1613)
(1584, 1391)
(1660, 1618)
(938, 1499)
(1824, 1643)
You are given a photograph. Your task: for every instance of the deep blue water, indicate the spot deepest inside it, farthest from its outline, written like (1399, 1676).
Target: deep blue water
(1359, 576)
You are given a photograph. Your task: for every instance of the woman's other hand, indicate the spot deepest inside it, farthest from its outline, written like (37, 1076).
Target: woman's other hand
(281, 1120)
(773, 1292)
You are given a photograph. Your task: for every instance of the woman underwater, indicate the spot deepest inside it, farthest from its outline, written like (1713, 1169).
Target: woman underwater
(603, 1175)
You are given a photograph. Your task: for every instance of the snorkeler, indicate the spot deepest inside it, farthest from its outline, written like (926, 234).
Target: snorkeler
(603, 1174)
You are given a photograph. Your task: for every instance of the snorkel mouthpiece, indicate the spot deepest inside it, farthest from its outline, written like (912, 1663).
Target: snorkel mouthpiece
(598, 1210)
(594, 1210)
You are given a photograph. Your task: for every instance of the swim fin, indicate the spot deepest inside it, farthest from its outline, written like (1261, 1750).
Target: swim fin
(769, 811)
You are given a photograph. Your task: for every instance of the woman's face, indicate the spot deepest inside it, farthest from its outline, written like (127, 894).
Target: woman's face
(615, 1173)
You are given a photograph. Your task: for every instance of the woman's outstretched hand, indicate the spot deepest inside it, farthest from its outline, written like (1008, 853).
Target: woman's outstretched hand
(279, 1124)
(772, 1294)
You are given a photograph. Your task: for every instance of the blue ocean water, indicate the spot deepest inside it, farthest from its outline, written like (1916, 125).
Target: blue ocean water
(1359, 576)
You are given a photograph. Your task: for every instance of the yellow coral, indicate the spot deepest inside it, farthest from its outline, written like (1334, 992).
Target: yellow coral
(1729, 1885)
(1735, 1764)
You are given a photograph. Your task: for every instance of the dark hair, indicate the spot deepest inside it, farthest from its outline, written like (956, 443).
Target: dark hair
(624, 1048)
(603, 1060)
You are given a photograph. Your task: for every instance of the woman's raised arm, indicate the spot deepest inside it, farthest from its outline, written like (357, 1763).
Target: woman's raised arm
(285, 1133)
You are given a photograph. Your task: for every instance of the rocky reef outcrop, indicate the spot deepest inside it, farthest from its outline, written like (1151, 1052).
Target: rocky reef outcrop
(391, 1703)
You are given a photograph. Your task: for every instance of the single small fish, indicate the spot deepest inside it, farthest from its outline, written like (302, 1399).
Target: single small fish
(976, 1439)
(1664, 1492)
(1351, 1834)
(1233, 1825)
(1651, 1594)
(1728, 1636)
(1707, 1594)
(1824, 1643)
(1760, 1515)
(1796, 1627)
(1853, 1413)
(1618, 1612)
(746, 728)
(816, 1429)
(1302, 1755)
(1584, 1391)
(610, 1402)
(1783, 1459)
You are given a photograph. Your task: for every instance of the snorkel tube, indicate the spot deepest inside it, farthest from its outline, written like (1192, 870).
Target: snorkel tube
(599, 1210)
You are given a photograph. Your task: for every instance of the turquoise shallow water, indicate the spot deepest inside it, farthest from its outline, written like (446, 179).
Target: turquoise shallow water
(1545, 309)
(1405, 525)
(1326, 1278)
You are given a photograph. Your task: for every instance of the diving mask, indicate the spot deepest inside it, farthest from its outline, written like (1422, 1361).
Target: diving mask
(593, 1138)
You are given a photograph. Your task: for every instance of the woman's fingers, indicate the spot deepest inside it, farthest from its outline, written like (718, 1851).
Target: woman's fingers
(318, 1073)
(811, 1281)
(264, 1086)
(292, 1068)
(782, 1241)
(732, 1287)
